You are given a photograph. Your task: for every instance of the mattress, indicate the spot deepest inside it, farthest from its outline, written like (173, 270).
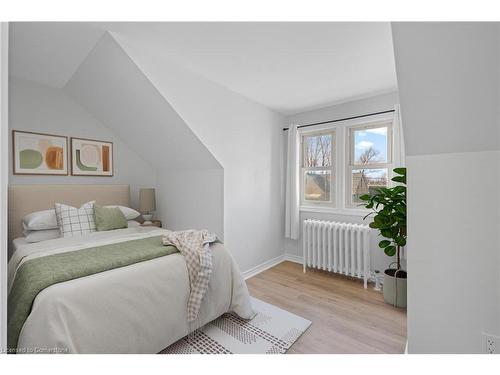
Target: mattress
(16, 244)
(140, 308)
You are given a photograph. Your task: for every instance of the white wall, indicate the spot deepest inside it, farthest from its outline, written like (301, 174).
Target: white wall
(379, 261)
(244, 137)
(349, 108)
(448, 77)
(192, 198)
(455, 81)
(111, 86)
(453, 251)
(39, 108)
(4, 157)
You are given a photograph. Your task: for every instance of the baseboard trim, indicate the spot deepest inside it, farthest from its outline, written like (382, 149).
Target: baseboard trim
(283, 258)
(280, 259)
(271, 263)
(299, 259)
(263, 266)
(293, 258)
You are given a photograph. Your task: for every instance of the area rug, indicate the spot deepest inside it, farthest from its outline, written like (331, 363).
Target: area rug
(271, 331)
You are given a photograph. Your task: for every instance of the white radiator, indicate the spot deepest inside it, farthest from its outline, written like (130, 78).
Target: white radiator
(337, 247)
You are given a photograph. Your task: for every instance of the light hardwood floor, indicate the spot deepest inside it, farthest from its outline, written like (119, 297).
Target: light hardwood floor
(346, 318)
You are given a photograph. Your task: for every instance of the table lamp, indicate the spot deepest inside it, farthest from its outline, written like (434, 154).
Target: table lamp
(147, 204)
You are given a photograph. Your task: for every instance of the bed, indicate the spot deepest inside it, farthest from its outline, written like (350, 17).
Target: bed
(138, 308)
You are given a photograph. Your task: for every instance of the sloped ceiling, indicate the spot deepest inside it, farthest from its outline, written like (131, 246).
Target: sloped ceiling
(287, 67)
(114, 90)
(49, 52)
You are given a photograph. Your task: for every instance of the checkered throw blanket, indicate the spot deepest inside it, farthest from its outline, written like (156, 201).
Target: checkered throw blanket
(194, 245)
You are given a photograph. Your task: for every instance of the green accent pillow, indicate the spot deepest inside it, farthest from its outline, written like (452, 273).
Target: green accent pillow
(109, 218)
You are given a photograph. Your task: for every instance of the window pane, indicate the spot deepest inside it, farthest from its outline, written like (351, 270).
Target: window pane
(317, 186)
(364, 181)
(370, 145)
(318, 150)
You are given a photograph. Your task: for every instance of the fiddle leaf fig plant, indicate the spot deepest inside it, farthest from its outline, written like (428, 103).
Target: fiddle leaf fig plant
(388, 207)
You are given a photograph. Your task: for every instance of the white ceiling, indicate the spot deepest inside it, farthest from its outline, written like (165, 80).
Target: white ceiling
(49, 52)
(288, 67)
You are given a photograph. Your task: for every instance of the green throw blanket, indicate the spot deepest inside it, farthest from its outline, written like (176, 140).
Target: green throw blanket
(35, 275)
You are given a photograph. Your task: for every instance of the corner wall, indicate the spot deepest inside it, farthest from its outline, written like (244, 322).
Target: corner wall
(112, 87)
(192, 198)
(379, 261)
(39, 108)
(243, 136)
(448, 77)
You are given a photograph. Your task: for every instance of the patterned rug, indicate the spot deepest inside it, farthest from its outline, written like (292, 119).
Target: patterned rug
(271, 331)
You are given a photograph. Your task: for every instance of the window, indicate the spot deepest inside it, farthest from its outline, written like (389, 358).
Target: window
(318, 167)
(369, 160)
(341, 162)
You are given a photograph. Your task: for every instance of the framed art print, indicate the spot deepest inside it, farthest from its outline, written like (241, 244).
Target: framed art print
(91, 157)
(38, 153)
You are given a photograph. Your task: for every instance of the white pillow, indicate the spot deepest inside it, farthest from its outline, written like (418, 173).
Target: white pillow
(74, 221)
(132, 224)
(41, 235)
(130, 213)
(40, 220)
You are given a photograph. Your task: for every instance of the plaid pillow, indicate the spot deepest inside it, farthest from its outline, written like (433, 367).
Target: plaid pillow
(74, 221)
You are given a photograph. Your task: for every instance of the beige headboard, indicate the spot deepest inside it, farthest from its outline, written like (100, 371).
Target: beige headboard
(24, 199)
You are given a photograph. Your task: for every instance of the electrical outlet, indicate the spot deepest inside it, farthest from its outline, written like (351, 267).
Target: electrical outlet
(491, 343)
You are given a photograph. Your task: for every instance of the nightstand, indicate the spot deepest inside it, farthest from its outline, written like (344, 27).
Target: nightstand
(154, 223)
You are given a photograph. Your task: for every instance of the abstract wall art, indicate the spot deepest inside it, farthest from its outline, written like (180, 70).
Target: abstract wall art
(38, 153)
(91, 157)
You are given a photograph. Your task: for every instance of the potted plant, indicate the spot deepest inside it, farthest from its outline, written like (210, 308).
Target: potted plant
(388, 207)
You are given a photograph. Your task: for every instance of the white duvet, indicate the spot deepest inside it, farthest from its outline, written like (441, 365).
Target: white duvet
(141, 308)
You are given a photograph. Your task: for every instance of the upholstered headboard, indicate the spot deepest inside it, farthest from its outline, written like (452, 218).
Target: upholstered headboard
(24, 199)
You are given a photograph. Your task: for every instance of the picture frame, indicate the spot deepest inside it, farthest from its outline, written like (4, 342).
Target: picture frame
(91, 157)
(39, 153)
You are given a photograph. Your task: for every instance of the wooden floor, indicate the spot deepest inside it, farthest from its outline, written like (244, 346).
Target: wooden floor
(346, 318)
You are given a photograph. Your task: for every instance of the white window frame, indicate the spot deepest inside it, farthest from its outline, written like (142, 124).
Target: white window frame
(341, 167)
(351, 165)
(331, 168)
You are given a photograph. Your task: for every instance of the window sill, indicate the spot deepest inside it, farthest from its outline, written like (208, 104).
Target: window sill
(335, 211)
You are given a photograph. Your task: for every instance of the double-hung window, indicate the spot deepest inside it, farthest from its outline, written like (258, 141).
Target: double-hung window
(342, 162)
(369, 160)
(318, 168)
